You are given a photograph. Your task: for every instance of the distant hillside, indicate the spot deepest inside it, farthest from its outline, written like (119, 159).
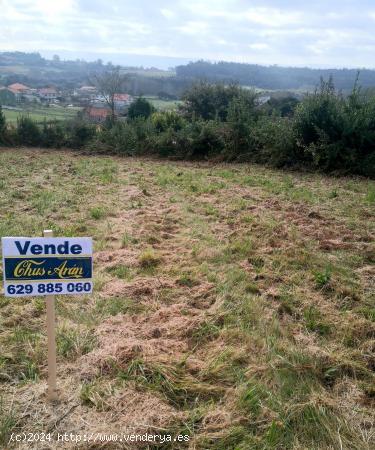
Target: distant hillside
(36, 71)
(274, 77)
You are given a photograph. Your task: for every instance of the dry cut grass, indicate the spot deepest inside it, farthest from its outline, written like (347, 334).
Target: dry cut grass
(234, 304)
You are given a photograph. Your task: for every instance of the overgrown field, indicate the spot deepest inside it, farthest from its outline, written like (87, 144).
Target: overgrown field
(232, 303)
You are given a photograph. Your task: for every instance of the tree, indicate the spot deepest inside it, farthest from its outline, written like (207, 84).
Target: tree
(140, 108)
(210, 101)
(109, 83)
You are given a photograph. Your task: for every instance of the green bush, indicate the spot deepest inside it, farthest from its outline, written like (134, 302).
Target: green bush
(196, 140)
(53, 135)
(174, 143)
(208, 139)
(164, 120)
(140, 108)
(28, 132)
(334, 132)
(209, 101)
(281, 106)
(133, 137)
(274, 141)
(366, 166)
(241, 121)
(146, 134)
(120, 138)
(80, 133)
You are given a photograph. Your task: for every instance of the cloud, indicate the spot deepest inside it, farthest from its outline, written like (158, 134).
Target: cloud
(259, 46)
(339, 32)
(193, 28)
(272, 17)
(167, 13)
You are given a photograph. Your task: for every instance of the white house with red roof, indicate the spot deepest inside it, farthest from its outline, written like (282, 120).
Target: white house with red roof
(122, 100)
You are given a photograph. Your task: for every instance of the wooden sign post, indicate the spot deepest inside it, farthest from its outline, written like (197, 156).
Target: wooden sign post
(51, 339)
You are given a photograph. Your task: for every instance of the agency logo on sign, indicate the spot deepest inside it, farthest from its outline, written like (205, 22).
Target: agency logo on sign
(45, 266)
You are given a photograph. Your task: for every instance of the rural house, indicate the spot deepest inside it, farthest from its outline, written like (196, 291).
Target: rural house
(19, 88)
(48, 94)
(20, 91)
(97, 114)
(122, 100)
(86, 93)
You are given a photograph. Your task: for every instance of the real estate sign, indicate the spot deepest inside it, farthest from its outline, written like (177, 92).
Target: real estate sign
(47, 266)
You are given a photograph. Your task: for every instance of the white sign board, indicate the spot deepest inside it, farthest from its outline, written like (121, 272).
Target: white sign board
(47, 266)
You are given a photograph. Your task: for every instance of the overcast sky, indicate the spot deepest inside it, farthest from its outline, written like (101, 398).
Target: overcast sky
(319, 33)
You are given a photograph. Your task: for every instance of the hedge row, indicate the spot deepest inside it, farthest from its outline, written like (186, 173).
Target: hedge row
(325, 131)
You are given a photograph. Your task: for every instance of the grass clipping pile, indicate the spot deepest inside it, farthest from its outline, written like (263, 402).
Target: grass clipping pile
(232, 304)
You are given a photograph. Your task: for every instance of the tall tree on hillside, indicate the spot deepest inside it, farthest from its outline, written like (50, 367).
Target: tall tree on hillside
(109, 83)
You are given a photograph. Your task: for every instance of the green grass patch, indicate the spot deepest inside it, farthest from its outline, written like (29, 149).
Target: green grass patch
(72, 343)
(97, 213)
(120, 271)
(8, 423)
(117, 305)
(179, 388)
(149, 259)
